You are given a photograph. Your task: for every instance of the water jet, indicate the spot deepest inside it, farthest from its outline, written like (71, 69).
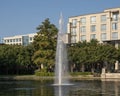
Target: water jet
(61, 64)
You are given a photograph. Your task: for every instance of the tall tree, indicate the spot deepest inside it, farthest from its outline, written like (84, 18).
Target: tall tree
(93, 54)
(45, 44)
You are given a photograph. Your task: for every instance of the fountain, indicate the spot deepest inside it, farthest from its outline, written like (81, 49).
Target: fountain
(61, 66)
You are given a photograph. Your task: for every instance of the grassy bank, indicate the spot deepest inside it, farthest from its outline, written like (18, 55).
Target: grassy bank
(34, 77)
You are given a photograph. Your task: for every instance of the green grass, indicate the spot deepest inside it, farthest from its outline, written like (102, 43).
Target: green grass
(39, 73)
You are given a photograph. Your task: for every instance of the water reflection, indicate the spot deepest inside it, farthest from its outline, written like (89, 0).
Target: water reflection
(45, 88)
(61, 90)
(110, 88)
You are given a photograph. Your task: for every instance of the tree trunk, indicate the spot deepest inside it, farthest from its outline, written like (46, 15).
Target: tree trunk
(71, 67)
(83, 68)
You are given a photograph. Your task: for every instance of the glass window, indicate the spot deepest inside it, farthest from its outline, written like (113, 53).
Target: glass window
(115, 35)
(93, 28)
(103, 18)
(19, 39)
(93, 36)
(16, 40)
(83, 20)
(114, 26)
(93, 19)
(73, 39)
(83, 29)
(115, 16)
(83, 38)
(10, 40)
(13, 40)
(103, 36)
(31, 38)
(74, 22)
(103, 27)
(73, 31)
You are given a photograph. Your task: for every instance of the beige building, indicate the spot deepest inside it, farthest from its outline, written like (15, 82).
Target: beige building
(103, 26)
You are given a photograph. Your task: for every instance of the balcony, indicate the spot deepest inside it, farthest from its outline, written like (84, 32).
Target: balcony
(73, 33)
(73, 40)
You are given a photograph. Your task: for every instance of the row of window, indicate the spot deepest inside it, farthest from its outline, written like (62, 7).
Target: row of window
(114, 36)
(115, 17)
(13, 40)
(17, 40)
(93, 28)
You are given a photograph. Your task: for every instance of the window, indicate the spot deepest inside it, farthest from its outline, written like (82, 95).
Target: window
(83, 20)
(83, 38)
(13, 40)
(73, 32)
(83, 29)
(73, 39)
(74, 22)
(93, 36)
(93, 28)
(31, 38)
(115, 16)
(103, 27)
(93, 19)
(16, 40)
(115, 35)
(103, 36)
(10, 40)
(114, 26)
(5, 41)
(19, 39)
(103, 18)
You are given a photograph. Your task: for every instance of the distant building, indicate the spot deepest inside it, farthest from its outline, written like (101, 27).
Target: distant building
(103, 26)
(19, 39)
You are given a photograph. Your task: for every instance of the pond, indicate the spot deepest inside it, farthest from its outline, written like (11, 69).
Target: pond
(46, 88)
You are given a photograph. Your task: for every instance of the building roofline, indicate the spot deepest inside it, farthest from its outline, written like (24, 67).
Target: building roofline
(94, 13)
(86, 14)
(19, 35)
(112, 8)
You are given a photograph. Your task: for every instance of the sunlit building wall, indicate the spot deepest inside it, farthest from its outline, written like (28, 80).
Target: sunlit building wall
(103, 26)
(19, 39)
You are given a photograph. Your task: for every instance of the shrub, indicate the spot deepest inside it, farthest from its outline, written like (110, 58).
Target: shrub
(80, 73)
(39, 73)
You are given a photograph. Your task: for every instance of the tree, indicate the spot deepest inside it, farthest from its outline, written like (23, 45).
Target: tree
(24, 64)
(45, 44)
(16, 59)
(7, 59)
(93, 54)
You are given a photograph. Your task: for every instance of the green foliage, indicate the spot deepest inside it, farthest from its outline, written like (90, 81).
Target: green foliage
(45, 44)
(118, 53)
(92, 53)
(80, 73)
(42, 73)
(16, 59)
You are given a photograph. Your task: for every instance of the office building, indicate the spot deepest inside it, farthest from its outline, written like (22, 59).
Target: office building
(19, 39)
(103, 26)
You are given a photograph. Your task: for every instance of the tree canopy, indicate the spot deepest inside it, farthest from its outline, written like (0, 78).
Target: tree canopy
(92, 53)
(45, 44)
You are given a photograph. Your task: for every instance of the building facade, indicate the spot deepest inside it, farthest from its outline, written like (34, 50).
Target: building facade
(19, 39)
(103, 26)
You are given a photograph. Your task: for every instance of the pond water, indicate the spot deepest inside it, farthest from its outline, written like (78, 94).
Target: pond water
(46, 88)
